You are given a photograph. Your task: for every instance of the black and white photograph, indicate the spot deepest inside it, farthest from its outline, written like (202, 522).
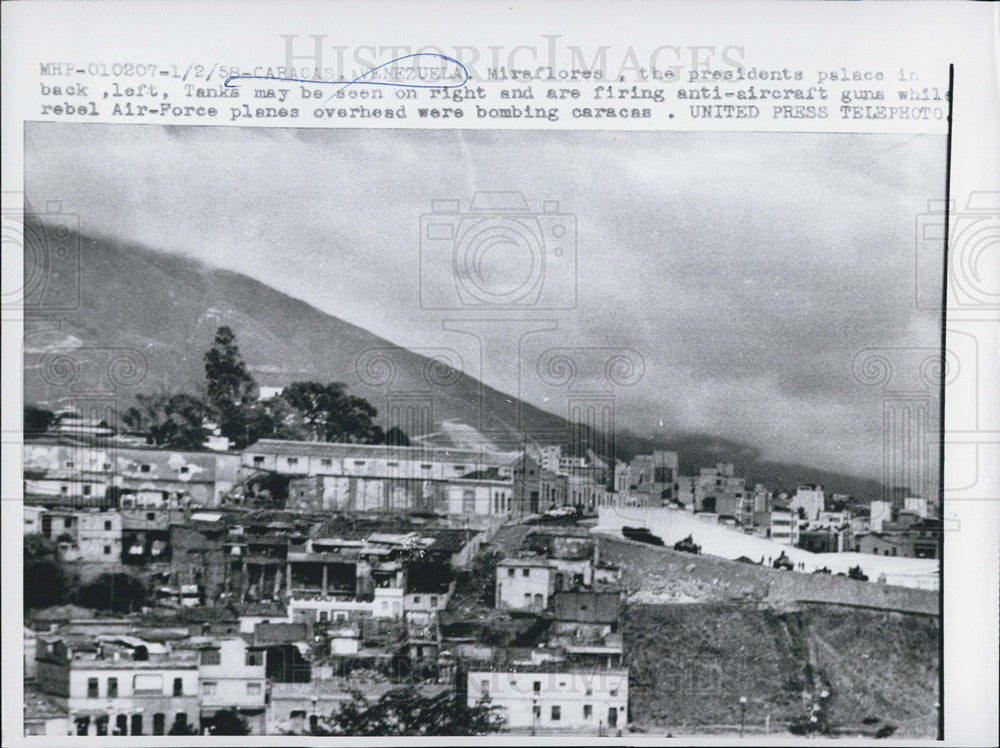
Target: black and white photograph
(567, 433)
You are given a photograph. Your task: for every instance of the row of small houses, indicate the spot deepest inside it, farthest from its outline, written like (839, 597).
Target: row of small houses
(307, 475)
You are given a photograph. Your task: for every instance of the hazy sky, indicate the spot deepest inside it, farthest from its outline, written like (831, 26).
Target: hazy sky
(747, 269)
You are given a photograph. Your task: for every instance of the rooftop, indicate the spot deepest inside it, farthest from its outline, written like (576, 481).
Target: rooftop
(38, 707)
(381, 451)
(527, 561)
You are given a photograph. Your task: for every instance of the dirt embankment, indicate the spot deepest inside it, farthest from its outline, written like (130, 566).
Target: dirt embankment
(659, 575)
(690, 664)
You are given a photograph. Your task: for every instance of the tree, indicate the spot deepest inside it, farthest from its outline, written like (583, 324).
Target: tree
(484, 574)
(406, 711)
(229, 722)
(396, 437)
(229, 381)
(330, 414)
(46, 579)
(37, 420)
(117, 592)
(246, 424)
(170, 420)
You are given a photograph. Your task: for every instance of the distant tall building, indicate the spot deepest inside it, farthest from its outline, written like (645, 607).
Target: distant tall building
(881, 512)
(916, 505)
(655, 475)
(810, 499)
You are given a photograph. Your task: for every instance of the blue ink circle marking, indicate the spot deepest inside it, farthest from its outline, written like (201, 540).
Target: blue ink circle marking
(359, 80)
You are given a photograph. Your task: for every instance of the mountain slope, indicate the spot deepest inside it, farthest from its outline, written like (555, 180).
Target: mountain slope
(158, 313)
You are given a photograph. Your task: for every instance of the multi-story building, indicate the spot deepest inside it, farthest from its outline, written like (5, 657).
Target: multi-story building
(58, 473)
(654, 477)
(917, 505)
(89, 538)
(525, 583)
(780, 524)
(880, 512)
(718, 490)
(231, 676)
(386, 478)
(554, 698)
(119, 685)
(810, 499)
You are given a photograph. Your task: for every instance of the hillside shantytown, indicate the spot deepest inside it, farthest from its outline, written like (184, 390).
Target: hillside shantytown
(182, 583)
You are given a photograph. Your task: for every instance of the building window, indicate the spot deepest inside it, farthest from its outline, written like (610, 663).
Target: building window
(178, 686)
(253, 689)
(613, 692)
(324, 616)
(326, 462)
(107, 550)
(434, 601)
(460, 468)
(527, 598)
(590, 691)
(211, 657)
(91, 688)
(510, 572)
(254, 659)
(416, 599)
(359, 463)
(258, 459)
(556, 713)
(145, 468)
(86, 489)
(159, 723)
(536, 686)
(588, 711)
(180, 722)
(121, 724)
(107, 466)
(525, 572)
(70, 464)
(208, 687)
(136, 725)
(150, 516)
(425, 466)
(184, 469)
(293, 460)
(392, 464)
(484, 686)
(107, 524)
